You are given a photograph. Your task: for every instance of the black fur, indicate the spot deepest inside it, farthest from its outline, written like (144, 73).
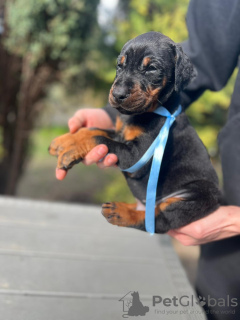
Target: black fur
(186, 164)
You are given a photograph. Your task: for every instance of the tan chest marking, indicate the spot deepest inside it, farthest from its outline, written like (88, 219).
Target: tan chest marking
(132, 132)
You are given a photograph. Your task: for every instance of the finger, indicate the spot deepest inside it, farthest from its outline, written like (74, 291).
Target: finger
(75, 124)
(109, 161)
(60, 174)
(172, 233)
(96, 154)
(182, 238)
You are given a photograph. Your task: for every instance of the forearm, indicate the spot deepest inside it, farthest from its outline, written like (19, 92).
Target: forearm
(213, 44)
(221, 224)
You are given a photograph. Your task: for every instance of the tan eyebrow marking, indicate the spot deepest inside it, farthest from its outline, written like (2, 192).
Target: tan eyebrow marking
(146, 61)
(164, 82)
(122, 59)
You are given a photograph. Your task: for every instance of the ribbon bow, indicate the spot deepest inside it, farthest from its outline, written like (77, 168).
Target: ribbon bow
(156, 150)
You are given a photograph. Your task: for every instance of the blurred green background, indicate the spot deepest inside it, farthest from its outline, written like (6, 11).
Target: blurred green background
(59, 56)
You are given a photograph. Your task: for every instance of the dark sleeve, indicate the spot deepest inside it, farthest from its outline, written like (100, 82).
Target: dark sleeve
(213, 45)
(111, 112)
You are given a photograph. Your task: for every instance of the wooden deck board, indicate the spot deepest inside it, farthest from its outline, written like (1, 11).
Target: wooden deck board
(61, 261)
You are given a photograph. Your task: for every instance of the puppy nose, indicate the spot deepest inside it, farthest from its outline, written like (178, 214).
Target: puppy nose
(120, 93)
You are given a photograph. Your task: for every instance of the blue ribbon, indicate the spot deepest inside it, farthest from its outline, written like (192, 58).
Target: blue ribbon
(156, 150)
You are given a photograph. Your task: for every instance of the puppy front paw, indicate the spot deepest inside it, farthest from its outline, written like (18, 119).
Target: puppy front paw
(72, 148)
(67, 149)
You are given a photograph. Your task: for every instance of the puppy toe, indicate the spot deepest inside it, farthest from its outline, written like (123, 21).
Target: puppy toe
(67, 159)
(54, 148)
(109, 212)
(108, 206)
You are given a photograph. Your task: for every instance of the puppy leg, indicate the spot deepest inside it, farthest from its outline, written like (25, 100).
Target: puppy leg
(72, 148)
(127, 152)
(124, 214)
(202, 199)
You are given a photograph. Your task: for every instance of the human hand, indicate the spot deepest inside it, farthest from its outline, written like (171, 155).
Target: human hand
(91, 118)
(222, 223)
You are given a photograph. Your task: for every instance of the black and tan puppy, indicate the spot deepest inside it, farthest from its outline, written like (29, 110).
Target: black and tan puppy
(151, 71)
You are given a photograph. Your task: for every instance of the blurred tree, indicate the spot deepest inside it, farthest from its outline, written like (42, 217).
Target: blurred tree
(47, 40)
(38, 40)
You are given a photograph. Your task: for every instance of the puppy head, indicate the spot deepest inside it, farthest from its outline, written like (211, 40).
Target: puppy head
(149, 69)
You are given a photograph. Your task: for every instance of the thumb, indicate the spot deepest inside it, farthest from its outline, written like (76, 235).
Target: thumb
(75, 123)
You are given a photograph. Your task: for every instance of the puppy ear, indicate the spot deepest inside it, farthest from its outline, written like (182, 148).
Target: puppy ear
(184, 69)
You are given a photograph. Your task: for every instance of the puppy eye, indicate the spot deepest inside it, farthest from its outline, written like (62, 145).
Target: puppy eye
(151, 69)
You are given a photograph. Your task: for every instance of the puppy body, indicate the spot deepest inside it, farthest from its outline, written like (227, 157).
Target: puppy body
(186, 175)
(152, 70)
(185, 158)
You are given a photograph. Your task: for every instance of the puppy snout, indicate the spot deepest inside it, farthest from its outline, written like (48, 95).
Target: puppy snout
(120, 93)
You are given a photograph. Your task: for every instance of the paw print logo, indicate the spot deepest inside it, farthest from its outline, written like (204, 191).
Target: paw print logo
(201, 301)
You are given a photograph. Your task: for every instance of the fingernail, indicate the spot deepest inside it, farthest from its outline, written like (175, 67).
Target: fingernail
(101, 151)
